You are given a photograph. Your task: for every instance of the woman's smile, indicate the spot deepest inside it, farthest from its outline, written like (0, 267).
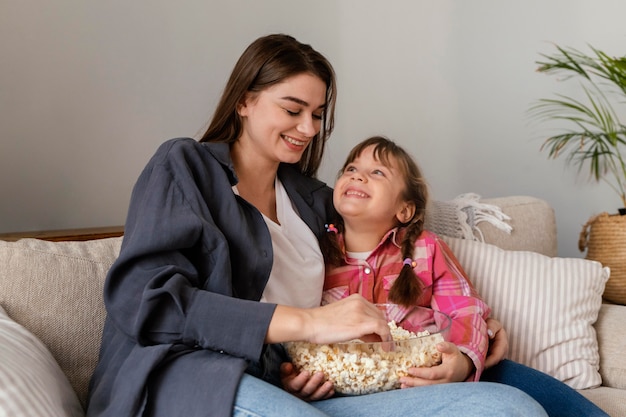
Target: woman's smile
(295, 143)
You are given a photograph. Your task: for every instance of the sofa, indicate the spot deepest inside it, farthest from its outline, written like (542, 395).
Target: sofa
(52, 311)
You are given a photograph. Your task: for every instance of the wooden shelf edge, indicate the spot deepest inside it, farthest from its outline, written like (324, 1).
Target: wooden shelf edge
(61, 235)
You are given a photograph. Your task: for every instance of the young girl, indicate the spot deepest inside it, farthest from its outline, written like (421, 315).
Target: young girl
(379, 249)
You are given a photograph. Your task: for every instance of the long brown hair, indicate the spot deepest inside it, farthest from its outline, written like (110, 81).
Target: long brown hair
(270, 60)
(407, 288)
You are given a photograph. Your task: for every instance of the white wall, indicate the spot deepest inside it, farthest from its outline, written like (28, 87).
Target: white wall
(89, 89)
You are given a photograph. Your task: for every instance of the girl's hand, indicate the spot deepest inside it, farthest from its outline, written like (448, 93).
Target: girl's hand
(455, 367)
(305, 386)
(498, 343)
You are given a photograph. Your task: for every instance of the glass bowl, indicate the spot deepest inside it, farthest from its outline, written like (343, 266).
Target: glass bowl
(356, 367)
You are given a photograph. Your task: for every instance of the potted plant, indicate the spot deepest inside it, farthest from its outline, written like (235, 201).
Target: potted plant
(593, 139)
(596, 137)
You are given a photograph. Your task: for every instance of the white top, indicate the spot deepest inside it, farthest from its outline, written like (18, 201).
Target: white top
(361, 256)
(297, 276)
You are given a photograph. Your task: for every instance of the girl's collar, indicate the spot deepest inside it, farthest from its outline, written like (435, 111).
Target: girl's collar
(392, 235)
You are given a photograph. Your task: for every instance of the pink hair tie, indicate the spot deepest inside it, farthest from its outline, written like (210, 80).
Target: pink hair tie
(331, 228)
(410, 262)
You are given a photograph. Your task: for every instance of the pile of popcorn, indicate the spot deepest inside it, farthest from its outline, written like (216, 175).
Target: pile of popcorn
(358, 367)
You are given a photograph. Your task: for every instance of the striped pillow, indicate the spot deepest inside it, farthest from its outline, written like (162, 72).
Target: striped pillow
(547, 305)
(31, 382)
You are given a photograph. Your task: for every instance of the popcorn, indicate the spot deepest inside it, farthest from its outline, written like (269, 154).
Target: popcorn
(358, 367)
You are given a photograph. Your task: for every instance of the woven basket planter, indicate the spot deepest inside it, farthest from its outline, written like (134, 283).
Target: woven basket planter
(604, 237)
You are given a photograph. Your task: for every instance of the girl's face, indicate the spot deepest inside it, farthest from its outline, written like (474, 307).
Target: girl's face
(370, 192)
(280, 121)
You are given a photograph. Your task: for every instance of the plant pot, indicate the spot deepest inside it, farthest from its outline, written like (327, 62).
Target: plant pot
(604, 237)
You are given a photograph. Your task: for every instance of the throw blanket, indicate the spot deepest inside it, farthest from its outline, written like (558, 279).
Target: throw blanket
(460, 217)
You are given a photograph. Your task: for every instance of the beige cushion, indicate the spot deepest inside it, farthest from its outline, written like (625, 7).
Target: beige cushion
(39, 284)
(533, 222)
(31, 382)
(548, 306)
(531, 219)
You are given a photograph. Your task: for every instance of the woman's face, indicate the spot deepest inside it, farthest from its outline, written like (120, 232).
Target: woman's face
(369, 194)
(280, 121)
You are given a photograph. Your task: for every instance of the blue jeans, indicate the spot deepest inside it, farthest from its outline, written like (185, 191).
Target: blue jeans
(256, 398)
(558, 399)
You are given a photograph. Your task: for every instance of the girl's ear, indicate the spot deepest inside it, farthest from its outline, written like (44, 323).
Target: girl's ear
(406, 212)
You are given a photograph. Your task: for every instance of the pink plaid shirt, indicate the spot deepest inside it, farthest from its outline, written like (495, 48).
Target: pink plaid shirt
(445, 287)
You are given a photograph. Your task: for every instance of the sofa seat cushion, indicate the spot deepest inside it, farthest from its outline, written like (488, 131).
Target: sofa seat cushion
(611, 400)
(40, 282)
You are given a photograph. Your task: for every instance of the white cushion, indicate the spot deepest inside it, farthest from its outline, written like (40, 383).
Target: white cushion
(31, 382)
(547, 305)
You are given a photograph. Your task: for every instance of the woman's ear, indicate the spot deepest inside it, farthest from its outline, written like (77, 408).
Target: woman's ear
(242, 108)
(243, 105)
(406, 212)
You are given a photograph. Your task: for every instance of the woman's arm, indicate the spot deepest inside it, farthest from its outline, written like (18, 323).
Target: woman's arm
(173, 282)
(350, 318)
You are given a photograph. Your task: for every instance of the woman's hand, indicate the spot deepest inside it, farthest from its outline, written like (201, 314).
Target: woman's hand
(350, 318)
(498, 343)
(455, 367)
(305, 386)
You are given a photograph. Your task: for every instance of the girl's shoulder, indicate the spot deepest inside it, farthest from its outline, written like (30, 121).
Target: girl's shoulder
(428, 236)
(431, 239)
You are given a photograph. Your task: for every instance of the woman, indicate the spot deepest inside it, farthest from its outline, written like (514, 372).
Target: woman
(216, 226)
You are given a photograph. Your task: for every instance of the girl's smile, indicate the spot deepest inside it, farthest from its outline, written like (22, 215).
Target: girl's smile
(355, 192)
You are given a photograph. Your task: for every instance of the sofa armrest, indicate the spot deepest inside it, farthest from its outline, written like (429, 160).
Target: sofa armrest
(611, 332)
